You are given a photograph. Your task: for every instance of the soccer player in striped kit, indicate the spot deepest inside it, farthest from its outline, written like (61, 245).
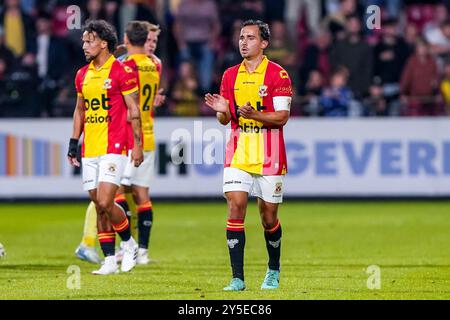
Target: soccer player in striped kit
(86, 250)
(255, 96)
(148, 72)
(107, 93)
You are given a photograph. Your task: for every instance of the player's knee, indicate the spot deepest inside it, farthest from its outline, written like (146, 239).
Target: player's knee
(269, 222)
(105, 205)
(236, 208)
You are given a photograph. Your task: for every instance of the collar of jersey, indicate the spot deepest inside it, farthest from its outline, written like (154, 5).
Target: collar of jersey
(261, 68)
(137, 56)
(106, 65)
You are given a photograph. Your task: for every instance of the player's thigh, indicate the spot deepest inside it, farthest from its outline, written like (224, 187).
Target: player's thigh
(106, 192)
(268, 212)
(269, 188)
(144, 174)
(236, 187)
(111, 168)
(90, 170)
(236, 180)
(128, 172)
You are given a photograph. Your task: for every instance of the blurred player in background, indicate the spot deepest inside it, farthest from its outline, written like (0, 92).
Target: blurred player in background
(138, 52)
(256, 97)
(107, 94)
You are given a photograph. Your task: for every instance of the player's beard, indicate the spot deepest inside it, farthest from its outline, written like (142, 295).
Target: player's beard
(91, 58)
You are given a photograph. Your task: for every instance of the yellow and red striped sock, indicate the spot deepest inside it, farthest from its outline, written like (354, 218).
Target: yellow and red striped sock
(107, 242)
(121, 200)
(273, 245)
(236, 245)
(123, 229)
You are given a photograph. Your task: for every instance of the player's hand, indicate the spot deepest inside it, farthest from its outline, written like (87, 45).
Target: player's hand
(160, 98)
(247, 111)
(72, 153)
(137, 156)
(216, 102)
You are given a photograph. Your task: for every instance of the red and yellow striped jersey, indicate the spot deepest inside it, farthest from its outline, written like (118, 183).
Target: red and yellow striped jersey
(253, 147)
(105, 116)
(148, 75)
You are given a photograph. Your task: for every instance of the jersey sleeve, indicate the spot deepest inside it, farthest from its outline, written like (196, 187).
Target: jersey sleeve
(224, 85)
(282, 91)
(282, 84)
(128, 81)
(79, 83)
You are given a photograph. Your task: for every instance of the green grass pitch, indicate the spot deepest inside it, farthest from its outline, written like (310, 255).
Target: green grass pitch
(326, 250)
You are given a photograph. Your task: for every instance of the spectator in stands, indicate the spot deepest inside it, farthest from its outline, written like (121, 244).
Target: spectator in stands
(419, 82)
(356, 55)
(250, 9)
(185, 95)
(18, 29)
(280, 49)
(439, 40)
(52, 60)
(390, 56)
(196, 31)
(5, 53)
(297, 9)
(95, 10)
(110, 9)
(412, 35)
(376, 104)
(131, 10)
(337, 22)
(231, 56)
(336, 99)
(440, 16)
(3, 94)
(317, 57)
(309, 98)
(445, 87)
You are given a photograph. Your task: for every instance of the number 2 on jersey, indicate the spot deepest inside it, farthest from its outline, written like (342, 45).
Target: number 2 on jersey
(147, 93)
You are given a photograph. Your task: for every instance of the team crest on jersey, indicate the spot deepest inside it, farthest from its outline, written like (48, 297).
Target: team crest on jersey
(262, 91)
(128, 69)
(278, 188)
(107, 84)
(112, 168)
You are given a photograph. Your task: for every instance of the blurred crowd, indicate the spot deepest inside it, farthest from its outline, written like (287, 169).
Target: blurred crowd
(343, 60)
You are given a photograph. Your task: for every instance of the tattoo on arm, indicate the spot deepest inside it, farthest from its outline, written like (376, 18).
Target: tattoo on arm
(135, 116)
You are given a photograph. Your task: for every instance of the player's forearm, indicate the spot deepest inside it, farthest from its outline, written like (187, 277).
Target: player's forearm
(136, 124)
(78, 118)
(137, 129)
(277, 118)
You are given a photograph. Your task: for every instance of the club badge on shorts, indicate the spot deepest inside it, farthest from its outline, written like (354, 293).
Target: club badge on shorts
(112, 168)
(278, 188)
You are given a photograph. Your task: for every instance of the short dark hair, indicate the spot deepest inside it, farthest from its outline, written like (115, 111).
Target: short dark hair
(137, 32)
(264, 30)
(105, 32)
